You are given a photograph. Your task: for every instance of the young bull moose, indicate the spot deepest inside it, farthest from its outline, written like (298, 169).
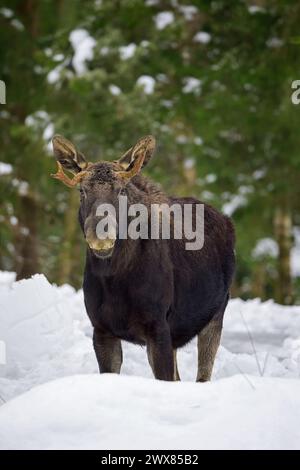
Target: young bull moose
(151, 292)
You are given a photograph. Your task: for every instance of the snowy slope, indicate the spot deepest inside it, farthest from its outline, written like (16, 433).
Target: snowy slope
(47, 335)
(111, 412)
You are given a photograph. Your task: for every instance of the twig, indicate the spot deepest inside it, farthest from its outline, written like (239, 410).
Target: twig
(245, 376)
(265, 363)
(2, 399)
(252, 344)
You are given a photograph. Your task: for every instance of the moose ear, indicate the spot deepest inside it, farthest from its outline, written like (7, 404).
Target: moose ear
(67, 155)
(137, 157)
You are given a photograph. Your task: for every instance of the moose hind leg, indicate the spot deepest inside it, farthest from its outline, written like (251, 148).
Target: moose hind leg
(150, 358)
(208, 343)
(108, 352)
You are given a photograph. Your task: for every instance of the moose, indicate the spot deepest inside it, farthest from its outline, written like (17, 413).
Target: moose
(151, 292)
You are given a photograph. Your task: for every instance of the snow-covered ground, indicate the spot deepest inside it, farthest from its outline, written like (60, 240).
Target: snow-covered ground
(53, 397)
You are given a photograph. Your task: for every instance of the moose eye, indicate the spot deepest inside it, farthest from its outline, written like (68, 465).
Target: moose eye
(82, 193)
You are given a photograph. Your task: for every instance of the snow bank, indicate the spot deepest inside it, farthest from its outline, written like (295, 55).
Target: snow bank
(115, 412)
(263, 318)
(47, 337)
(6, 278)
(44, 329)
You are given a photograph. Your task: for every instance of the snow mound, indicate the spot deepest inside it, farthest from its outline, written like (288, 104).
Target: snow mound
(45, 338)
(47, 335)
(115, 412)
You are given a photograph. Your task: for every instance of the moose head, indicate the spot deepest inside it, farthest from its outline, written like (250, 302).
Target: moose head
(100, 183)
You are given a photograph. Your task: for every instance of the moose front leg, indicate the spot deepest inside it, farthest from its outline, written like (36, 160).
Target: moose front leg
(160, 354)
(108, 352)
(176, 371)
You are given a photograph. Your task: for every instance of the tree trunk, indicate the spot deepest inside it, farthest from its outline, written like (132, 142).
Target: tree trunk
(76, 277)
(27, 242)
(283, 235)
(259, 281)
(66, 258)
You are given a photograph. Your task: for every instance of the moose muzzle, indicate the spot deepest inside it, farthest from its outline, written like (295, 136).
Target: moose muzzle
(101, 235)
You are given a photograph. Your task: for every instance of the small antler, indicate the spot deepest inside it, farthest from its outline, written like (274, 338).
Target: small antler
(136, 157)
(127, 174)
(70, 182)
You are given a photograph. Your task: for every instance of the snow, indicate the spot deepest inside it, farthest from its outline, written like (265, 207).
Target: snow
(55, 397)
(188, 11)
(198, 140)
(114, 90)
(274, 43)
(189, 163)
(9, 14)
(192, 85)
(295, 254)
(258, 174)
(126, 52)
(182, 139)
(58, 57)
(83, 45)
(265, 247)
(7, 278)
(269, 247)
(17, 24)
(13, 220)
(104, 51)
(253, 9)
(235, 203)
(211, 178)
(5, 169)
(147, 83)
(111, 412)
(38, 118)
(167, 104)
(164, 19)
(6, 12)
(202, 37)
(23, 188)
(151, 3)
(54, 75)
(48, 131)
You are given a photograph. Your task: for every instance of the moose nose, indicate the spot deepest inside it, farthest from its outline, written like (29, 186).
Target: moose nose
(98, 244)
